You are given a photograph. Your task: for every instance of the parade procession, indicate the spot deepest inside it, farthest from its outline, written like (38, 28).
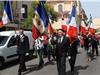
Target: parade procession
(49, 37)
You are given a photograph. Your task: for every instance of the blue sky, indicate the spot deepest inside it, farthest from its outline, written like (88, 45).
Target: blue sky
(91, 6)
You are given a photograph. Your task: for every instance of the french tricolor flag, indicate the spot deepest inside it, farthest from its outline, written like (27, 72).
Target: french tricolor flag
(91, 26)
(36, 26)
(83, 28)
(40, 21)
(64, 24)
(7, 14)
(72, 31)
(91, 29)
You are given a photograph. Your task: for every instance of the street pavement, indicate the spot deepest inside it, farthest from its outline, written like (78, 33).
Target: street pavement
(82, 67)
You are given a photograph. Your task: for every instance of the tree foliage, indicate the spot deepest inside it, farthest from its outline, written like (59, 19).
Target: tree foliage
(49, 9)
(1, 5)
(1, 8)
(27, 23)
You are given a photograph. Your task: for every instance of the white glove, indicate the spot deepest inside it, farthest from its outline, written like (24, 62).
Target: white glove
(15, 35)
(69, 57)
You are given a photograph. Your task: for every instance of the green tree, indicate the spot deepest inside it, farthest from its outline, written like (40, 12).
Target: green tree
(49, 9)
(34, 4)
(1, 8)
(1, 5)
(27, 23)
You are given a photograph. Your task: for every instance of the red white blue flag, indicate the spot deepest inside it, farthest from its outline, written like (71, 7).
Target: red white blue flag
(72, 31)
(91, 27)
(7, 14)
(83, 28)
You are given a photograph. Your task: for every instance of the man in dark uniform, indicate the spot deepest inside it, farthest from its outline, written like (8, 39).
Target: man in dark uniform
(73, 53)
(62, 47)
(87, 44)
(94, 44)
(22, 48)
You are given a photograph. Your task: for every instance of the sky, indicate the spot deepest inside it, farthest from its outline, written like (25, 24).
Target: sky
(91, 7)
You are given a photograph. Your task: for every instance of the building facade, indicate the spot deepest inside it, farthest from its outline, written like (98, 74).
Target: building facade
(61, 5)
(58, 5)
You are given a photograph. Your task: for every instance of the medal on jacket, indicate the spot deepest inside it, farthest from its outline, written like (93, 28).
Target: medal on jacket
(21, 38)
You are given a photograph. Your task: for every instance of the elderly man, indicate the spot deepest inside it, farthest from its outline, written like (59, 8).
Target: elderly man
(62, 47)
(22, 48)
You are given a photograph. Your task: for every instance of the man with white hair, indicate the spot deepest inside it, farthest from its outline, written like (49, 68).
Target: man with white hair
(22, 48)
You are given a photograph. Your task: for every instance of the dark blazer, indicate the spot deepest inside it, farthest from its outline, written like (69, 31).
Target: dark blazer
(87, 40)
(94, 42)
(63, 47)
(73, 47)
(22, 47)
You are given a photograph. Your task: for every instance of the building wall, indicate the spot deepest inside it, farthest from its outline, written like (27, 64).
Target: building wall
(19, 5)
(66, 5)
(96, 22)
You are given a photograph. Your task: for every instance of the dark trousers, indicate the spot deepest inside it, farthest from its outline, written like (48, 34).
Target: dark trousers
(95, 49)
(72, 62)
(40, 54)
(45, 50)
(87, 51)
(61, 65)
(50, 53)
(22, 66)
(86, 48)
(49, 56)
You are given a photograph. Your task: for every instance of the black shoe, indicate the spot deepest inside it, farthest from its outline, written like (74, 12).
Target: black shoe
(72, 72)
(19, 73)
(23, 70)
(97, 54)
(39, 67)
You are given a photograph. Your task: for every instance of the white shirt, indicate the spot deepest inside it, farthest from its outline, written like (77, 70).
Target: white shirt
(60, 39)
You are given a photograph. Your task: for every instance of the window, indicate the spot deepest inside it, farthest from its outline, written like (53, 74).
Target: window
(25, 10)
(12, 41)
(60, 8)
(3, 40)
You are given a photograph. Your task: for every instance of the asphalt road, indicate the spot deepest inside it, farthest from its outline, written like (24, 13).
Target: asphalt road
(82, 66)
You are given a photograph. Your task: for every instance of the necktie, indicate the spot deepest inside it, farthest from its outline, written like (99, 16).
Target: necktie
(22, 38)
(59, 40)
